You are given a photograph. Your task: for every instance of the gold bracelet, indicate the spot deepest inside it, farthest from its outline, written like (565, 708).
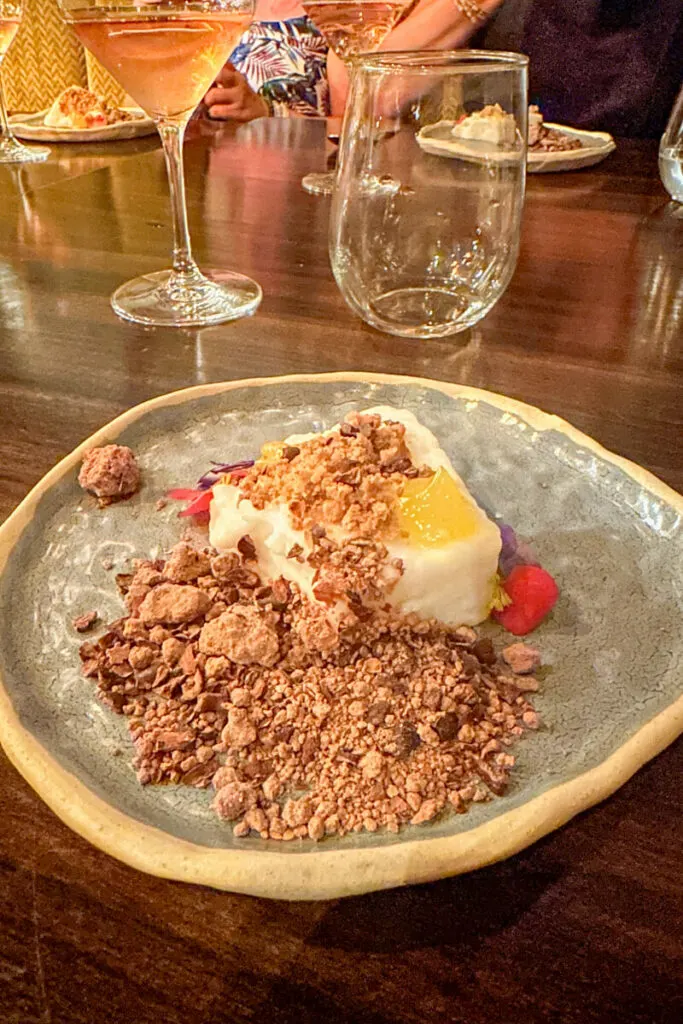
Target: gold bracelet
(472, 11)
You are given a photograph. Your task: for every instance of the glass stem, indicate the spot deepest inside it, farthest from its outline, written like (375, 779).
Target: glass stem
(5, 130)
(172, 135)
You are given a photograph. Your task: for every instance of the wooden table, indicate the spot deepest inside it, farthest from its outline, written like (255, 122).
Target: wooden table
(583, 927)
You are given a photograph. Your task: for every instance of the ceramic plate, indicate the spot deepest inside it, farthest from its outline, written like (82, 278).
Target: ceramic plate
(33, 128)
(438, 140)
(611, 534)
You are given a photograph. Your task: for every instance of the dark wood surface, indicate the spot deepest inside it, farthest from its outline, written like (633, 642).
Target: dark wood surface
(585, 926)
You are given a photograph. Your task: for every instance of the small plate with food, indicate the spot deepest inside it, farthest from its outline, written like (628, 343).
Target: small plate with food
(491, 135)
(311, 636)
(79, 115)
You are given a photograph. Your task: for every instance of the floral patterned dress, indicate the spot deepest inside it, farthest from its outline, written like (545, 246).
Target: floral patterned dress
(285, 62)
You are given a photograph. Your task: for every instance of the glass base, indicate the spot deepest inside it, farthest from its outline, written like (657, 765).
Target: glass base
(321, 183)
(169, 299)
(426, 312)
(14, 152)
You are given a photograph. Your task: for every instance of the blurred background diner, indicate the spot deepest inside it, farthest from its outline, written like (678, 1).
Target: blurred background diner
(611, 65)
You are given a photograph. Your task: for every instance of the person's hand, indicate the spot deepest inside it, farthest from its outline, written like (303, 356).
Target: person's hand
(231, 98)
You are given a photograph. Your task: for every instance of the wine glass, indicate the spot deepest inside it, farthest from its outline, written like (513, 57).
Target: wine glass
(11, 150)
(350, 27)
(166, 54)
(425, 229)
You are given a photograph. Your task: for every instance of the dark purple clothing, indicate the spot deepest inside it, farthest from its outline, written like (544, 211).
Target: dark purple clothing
(611, 65)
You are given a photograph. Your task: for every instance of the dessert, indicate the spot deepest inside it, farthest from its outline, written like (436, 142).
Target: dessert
(80, 108)
(380, 480)
(493, 125)
(316, 664)
(490, 124)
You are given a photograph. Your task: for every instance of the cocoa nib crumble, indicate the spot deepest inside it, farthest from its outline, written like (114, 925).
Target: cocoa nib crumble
(304, 725)
(84, 623)
(551, 140)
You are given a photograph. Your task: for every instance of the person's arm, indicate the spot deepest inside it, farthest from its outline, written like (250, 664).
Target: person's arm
(431, 25)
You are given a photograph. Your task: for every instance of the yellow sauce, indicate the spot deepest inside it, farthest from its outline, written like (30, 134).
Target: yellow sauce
(434, 512)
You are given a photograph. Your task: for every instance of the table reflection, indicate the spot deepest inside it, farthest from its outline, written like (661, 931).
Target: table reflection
(656, 335)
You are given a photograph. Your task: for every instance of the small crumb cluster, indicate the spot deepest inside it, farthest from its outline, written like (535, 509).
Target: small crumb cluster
(302, 728)
(110, 473)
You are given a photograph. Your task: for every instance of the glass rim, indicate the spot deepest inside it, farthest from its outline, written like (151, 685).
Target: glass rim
(428, 61)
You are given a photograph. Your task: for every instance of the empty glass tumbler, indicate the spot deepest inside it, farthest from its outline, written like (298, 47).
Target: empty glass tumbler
(426, 218)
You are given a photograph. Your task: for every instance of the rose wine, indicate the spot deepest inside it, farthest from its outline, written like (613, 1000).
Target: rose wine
(355, 26)
(166, 62)
(8, 30)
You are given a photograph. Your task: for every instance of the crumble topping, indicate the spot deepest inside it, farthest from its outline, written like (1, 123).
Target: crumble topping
(303, 726)
(350, 479)
(359, 572)
(552, 140)
(543, 139)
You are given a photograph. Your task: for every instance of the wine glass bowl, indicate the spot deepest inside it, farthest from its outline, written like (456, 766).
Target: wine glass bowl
(11, 150)
(351, 27)
(423, 244)
(166, 55)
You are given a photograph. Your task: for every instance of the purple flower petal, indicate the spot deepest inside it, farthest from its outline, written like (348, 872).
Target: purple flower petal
(509, 538)
(514, 551)
(221, 469)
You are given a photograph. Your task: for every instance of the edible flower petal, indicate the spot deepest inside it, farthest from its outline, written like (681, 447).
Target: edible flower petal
(184, 493)
(199, 504)
(236, 470)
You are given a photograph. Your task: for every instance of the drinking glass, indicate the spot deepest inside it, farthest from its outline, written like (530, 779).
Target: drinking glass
(11, 150)
(350, 27)
(671, 152)
(166, 54)
(424, 229)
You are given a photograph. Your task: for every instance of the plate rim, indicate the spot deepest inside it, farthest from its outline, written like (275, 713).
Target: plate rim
(321, 873)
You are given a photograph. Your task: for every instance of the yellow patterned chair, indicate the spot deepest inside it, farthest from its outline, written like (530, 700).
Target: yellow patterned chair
(46, 57)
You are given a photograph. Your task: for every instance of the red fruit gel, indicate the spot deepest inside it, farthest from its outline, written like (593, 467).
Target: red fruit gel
(533, 593)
